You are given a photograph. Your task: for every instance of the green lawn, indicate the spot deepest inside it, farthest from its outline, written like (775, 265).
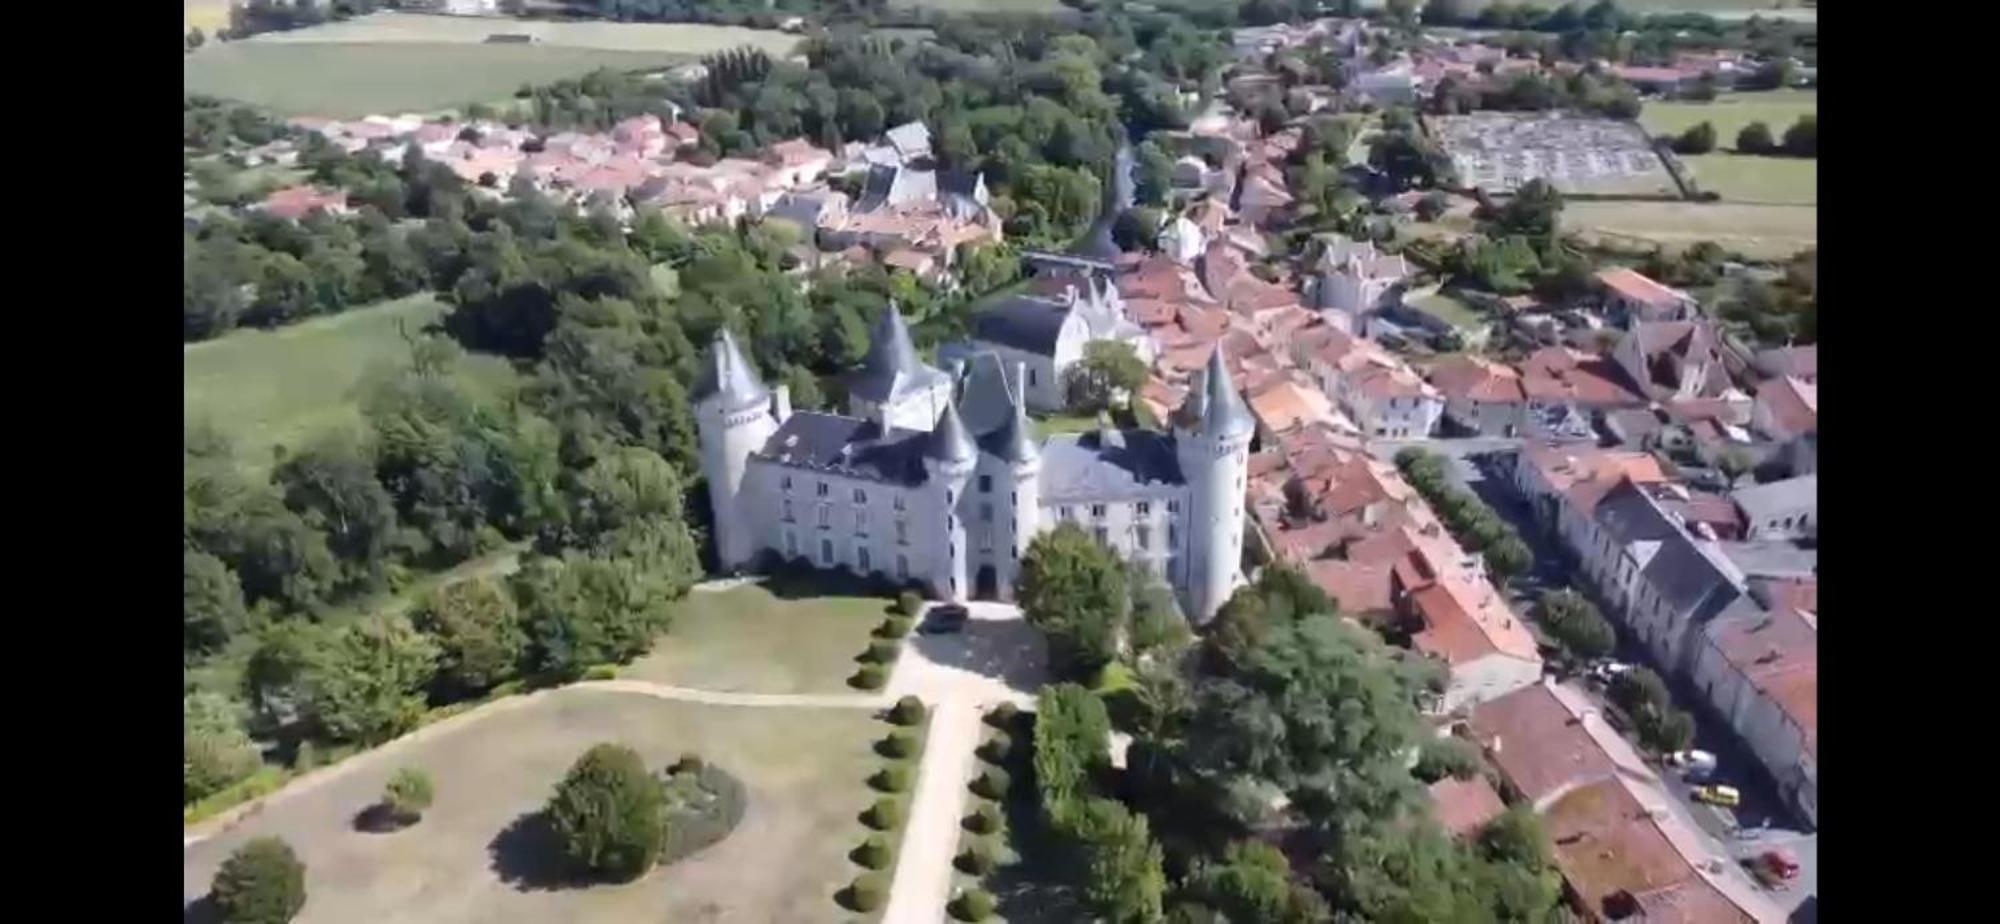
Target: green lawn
(1449, 310)
(1054, 424)
(348, 79)
(751, 640)
(1758, 231)
(1729, 112)
(1751, 179)
(469, 860)
(264, 388)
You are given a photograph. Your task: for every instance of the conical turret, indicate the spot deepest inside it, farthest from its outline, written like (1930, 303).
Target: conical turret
(1213, 407)
(949, 441)
(1016, 441)
(726, 375)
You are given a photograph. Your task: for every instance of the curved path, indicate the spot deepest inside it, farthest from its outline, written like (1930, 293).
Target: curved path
(997, 659)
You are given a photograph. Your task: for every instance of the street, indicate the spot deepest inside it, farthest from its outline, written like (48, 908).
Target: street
(1763, 821)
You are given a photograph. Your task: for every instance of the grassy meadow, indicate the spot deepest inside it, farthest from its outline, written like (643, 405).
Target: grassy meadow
(1744, 178)
(264, 388)
(1758, 231)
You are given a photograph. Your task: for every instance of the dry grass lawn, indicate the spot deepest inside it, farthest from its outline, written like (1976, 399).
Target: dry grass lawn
(750, 640)
(1758, 231)
(805, 770)
(393, 27)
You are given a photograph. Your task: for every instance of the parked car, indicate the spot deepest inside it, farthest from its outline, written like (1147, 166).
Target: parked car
(1695, 764)
(1774, 868)
(1718, 794)
(1608, 671)
(943, 619)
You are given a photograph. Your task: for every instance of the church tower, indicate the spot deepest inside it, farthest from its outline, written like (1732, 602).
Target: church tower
(733, 413)
(1212, 432)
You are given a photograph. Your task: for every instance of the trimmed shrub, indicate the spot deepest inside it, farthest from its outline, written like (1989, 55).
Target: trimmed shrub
(908, 711)
(885, 814)
(869, 677)
(409, 792)
(263, 882)
(609, 813)
(974, 904)
(704, 804)
(899, 744)
(873, 853)
(893, 778)
(1453, 757)
(1003, 715)
(997, 748)
(909, 603)
(689, 762)
(601, 672)
(992, 783)
(893, 627)
(883, 651)
(976, 860)
(985, 820)
(868, 892)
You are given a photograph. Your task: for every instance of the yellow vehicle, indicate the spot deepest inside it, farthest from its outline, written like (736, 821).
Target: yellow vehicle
(1725, 796)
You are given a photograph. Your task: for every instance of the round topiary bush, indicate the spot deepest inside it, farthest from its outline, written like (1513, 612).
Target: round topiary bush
(1003, 715)
(900, 743)
(976, 860)
(883, 651)
(997, 748)
(608, 813)
(992, 783)
(985, 820)
(908, 711)
(263, 882)
(868, 892)
(892, 627)
(893, 778)
(974, 905)
(704, 804)
(408, 794)
(885, 814)
(909, 603)
(873, 853)
(869, 677)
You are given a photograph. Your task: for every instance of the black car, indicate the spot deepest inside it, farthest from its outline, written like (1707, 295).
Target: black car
(945, 618)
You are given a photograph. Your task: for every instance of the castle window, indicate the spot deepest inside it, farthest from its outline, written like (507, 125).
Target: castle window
(861, 561)
(1065, 513)
(902, 532)
(1031, 377)
(1097, 511)
(1103, 535)
(985, 513)
(985, 538)
(826, 552)
(786, 483)
(902, 567)
(1143, 535)
(1143, 508)
(1173, 535)
(785, 508)
(986, 484)
(791, 544)
(823, 489)
(1173, 506)
(860, 496)
(898, 503)
(825, 515)
(861, 522)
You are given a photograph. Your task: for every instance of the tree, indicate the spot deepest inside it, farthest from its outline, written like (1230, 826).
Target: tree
(1252, 882)
(1073, 589)
(263, 882)
(1072, 733)
(408, 794)
(583, 610)
(1755, 138)
(1733, 463)
(1575, 623)
(628, 486)
(1124, 878)
(1533, 211)
(608, 814)
(194, 38)
(331, 484)
(479, 634)
(215, 751)
(1109, 370)
(1802, 139)
(1509, 558)
(211, 603)
(366, 682)
(1698, 139)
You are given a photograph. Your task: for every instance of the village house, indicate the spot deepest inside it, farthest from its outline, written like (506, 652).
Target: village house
(1760, 673)
(1786, 408)
(1787, 509)
(1355, 278)
(294, 203)
(1047, 336)
(1627, 296)
(1377, 390)
(1564, 377)
(1481, 397)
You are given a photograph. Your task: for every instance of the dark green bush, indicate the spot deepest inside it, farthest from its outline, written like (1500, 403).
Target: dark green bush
(893, 778)
(869, 677)
(883, 651)
(976, 860)
(974, 904)
(985, 820)
(992, 783)
(909, 603)
(868, 892)
(689, 762)
(263, 882)
(609, 813)
(874, 852)
(908, 711)
(885, 814)
(601, 672)
(1003, 715)
(997, 748)
(900, 743)
(704, 804)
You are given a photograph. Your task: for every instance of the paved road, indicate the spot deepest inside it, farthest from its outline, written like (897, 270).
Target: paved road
(930, 839)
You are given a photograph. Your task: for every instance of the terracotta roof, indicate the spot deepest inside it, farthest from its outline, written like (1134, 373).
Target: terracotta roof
(1693, 901)
(299, 201)
(1607, 845)
(1464, 623)
(1560, 374)
(1465, 806)
(1778, 654)
(1357, 587)
(1285, 405)
(1477, 379)
(1793, 404)
(1536, 743)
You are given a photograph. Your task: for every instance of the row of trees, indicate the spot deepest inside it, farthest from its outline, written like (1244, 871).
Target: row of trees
(1801, 139)
(1469, 518)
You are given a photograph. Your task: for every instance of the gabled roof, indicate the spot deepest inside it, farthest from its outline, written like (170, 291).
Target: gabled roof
(849, 446)
(1637, 287)
(1761, 501)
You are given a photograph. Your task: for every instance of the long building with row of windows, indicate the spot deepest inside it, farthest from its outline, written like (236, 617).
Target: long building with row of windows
(937, 477)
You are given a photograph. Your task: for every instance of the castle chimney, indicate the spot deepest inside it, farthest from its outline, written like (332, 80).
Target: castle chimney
(781, 403)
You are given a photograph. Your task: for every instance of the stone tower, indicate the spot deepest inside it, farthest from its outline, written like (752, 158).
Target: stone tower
(1212, 432)
(1014, 453)
(733, 412)
(950, 455)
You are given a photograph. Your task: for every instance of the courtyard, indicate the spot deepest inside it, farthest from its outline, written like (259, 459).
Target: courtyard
(473, 859)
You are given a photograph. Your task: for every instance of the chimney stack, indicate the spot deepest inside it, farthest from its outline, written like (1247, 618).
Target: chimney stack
(781, 403)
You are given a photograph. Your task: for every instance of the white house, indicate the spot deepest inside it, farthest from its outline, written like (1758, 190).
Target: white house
(1183, 241)
(1356, 278)
(1787, 509)
(1760, 672)
(1048, 336)
(953, 503)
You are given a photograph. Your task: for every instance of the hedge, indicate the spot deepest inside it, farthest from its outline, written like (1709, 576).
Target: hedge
(900, 743)
(908, 711)
(868, 892)
(992, 783)
(885, 814)
(975, 904)
(893, 778)
(869, 677)
(874, 852)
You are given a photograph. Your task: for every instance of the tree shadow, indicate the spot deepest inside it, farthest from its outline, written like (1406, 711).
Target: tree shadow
(379, 819)
(1008, 650)
(202, 911)
(526, 855)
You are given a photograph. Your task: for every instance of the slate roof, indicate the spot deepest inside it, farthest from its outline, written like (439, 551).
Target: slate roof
(949, 441)
(1080, 466)
(848, 446)
(1023, 322)
(1689, 581)
(1628, 516)
(892, 366)
(1759, 502)
(1215, 407)
(726, 373)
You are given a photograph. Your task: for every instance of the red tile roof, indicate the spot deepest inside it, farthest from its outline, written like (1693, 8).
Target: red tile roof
(1536, 743)
(1474, 378)
(1465, 806)
(1778, 654)
(1563, 375)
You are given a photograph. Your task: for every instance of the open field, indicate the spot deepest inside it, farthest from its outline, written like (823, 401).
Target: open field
(1749, 179)
(984, 6)
(1729, 112)
(209, 16)
(468, 860)
(345, 80)
(1759, 231)
(692, 39)
(1450, 310)
(751, 640)
(1717, 8)
(263, 388)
